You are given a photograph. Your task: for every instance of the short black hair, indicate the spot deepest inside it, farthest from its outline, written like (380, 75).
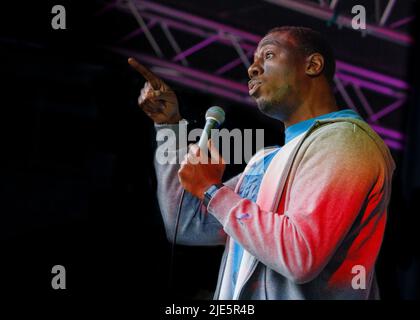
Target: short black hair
(310, 41)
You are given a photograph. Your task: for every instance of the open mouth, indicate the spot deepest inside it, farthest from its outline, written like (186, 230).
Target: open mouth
(253, 86)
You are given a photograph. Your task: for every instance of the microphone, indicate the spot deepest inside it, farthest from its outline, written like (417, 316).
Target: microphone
(215, 116)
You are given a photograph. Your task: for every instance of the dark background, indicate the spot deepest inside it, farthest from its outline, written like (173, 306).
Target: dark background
(76, 175)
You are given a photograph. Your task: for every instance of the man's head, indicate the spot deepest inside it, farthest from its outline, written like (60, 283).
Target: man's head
(289, 63)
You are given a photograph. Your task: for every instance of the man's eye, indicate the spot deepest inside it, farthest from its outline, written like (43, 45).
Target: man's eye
(269, 55)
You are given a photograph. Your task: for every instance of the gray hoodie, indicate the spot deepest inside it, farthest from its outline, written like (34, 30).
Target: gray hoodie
(322, 241)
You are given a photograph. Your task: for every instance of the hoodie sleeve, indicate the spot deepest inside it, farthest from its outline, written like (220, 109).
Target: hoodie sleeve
(196, 226)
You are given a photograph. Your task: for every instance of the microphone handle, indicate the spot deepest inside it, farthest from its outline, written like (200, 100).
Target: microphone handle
(210, 124)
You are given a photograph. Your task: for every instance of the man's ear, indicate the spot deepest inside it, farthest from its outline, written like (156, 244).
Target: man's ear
(314, 64)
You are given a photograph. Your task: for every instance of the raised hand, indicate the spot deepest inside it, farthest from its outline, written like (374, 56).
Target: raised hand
(156, 98)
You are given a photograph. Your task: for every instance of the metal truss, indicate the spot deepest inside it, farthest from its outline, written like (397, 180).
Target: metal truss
(327, 10)
(354, 84)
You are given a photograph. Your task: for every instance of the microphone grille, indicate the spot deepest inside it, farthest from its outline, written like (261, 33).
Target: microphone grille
(216, 113)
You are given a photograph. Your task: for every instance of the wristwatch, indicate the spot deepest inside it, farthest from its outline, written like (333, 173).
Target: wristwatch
(209, 193)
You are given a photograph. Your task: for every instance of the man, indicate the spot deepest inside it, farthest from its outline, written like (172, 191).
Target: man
(304, 221)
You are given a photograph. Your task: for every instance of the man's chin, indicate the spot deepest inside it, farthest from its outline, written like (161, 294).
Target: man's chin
(264, 106)
(270, 109)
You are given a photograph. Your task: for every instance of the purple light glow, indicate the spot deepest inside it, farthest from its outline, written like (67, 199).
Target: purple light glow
(195, 48)
(199, 75)
(397, 104)
(193, 30)
(401, 22)
(198, 20)
(371, 86)
(138, 31)
(309, 8)
(342, 66)
(387, 132)
(393, 144)
(217, 27)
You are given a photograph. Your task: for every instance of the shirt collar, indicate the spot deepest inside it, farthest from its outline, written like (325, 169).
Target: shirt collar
(300, 127)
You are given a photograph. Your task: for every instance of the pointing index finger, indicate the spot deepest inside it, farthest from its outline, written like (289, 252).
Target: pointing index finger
(146, 73)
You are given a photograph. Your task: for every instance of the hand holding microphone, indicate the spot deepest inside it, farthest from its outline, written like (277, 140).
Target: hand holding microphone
(198, 172)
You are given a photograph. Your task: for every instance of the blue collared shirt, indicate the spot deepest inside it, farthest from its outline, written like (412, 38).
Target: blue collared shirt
(252, 179)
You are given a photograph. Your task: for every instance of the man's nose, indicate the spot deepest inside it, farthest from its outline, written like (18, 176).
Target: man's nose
(255, 70)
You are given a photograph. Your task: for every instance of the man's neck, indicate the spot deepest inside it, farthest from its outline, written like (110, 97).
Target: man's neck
(315, 104)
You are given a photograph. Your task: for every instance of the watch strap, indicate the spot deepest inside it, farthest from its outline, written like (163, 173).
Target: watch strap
(209, 193)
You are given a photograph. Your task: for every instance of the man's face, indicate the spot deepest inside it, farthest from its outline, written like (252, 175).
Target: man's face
(276, 76)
